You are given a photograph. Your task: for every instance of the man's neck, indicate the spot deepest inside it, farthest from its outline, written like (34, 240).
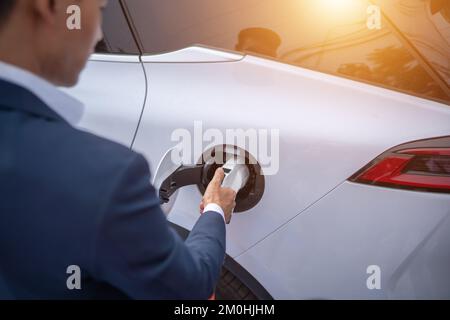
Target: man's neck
(17, 50)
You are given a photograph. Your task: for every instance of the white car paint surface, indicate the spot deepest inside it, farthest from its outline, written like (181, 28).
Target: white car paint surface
(113, 90)
(329, 128)
(325, 251)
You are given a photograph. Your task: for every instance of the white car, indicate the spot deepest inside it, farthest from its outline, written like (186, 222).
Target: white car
(354, 200)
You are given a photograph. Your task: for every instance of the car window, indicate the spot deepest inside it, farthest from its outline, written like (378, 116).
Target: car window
(117, 37)
(331, 36)
(426, 26)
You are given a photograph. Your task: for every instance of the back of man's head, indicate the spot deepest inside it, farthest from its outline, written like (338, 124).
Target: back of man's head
(40, 36)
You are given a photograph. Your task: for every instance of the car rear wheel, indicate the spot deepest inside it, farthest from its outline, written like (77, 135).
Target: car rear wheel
(231, 288)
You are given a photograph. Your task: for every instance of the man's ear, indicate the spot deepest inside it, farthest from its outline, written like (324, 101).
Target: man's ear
(46, 10)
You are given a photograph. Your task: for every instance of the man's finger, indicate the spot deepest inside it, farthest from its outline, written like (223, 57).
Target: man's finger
(217, 180)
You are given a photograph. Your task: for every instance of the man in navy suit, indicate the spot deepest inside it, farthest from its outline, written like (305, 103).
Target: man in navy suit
(72, 203)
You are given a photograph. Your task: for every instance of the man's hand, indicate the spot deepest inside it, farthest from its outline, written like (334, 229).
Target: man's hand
(223, 197)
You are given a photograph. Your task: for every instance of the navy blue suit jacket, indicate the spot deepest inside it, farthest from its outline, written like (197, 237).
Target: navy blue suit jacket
(69, 198)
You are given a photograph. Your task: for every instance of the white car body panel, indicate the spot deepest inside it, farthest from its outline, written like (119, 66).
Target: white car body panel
(329, 128)
(325, 251)
(193, 54)
(113, 90)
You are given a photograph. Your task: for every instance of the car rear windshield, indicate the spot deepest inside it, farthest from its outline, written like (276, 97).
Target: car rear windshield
(399, 44)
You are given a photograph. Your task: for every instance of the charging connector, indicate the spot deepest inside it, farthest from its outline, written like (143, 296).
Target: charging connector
(236, 175)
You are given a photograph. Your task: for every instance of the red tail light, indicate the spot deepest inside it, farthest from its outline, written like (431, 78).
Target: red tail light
(422, 165)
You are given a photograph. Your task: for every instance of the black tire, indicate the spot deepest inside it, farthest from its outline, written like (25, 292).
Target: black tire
(231, 288)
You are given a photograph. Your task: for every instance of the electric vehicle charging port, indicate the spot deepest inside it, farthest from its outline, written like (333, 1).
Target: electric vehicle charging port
(242, 174)
(251, 193)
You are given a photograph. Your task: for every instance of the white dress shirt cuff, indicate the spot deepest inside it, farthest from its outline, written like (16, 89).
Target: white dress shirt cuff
(216, 208)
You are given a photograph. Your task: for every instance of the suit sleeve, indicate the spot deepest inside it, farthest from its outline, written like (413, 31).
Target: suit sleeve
(137, 252)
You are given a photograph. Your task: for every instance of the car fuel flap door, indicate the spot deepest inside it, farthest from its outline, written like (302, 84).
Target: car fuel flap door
(166, 167)
(172, 175)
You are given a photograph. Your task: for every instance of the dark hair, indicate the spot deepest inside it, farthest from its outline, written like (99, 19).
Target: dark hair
(6, 7)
